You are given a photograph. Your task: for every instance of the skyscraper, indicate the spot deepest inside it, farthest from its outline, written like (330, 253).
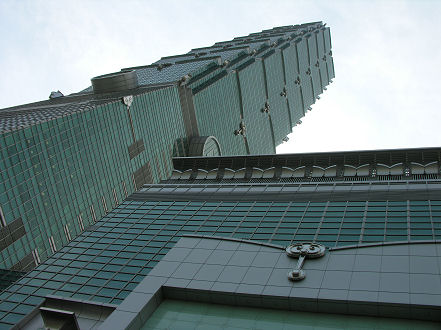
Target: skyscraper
(251, 241)
(68, 161)
(367, 224)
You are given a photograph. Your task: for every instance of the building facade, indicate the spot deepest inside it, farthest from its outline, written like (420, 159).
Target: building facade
(368, 225)
(68, 161)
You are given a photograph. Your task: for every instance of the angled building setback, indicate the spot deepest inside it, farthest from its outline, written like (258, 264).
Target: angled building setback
(78, 156)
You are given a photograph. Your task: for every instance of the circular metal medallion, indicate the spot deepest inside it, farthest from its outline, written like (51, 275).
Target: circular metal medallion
(309, 250)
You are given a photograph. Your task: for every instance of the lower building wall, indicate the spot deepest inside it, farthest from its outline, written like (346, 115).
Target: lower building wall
(386, 280)
(107, 262)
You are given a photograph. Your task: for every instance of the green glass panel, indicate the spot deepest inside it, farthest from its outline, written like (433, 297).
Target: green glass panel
(173, 314)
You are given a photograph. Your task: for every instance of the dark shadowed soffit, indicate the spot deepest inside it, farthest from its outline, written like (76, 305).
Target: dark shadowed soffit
(322, 159)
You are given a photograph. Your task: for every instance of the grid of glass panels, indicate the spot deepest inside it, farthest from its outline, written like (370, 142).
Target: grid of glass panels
(106, 262)
(175, 314)
(75, 166)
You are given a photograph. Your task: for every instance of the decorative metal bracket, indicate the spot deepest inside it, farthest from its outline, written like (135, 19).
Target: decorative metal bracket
(266, 108)
(184, 79)
(283, 92)
(241, 130)
(302, 251)
(127, 100)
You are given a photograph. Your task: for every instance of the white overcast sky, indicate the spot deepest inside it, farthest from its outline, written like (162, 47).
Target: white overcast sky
(387, 57)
